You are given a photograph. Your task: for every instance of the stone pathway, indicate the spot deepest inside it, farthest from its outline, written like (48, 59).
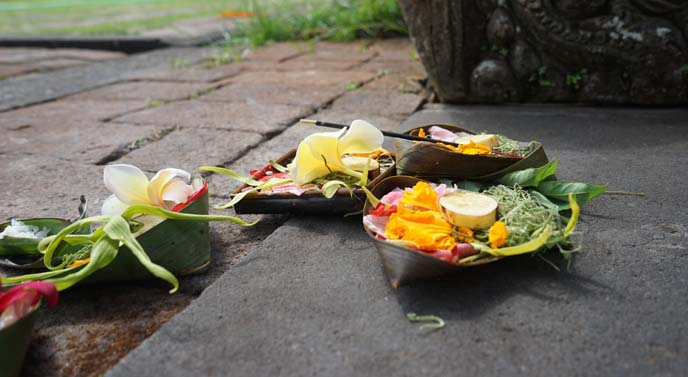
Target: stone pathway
(23, 60)
(155, 116)
(312, 298)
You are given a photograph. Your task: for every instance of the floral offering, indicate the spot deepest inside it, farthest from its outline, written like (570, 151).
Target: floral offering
(146, 227)
(324, 163)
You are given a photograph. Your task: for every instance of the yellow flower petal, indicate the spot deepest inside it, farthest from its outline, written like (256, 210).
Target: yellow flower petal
(128, 183)
(157, 185)
(422, 196)
(311, 155)
(360, 137)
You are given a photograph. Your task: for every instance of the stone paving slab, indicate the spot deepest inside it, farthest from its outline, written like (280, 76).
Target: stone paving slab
(35, 88)
(307, 77)
(385, 103)
(43, 186)
(314, 96)
(160, 91)
(190, 148)
(30, 54)
(313, 300)
(277, 52)
(61, 113)
(77, 141)
(200, 73)
(232, 116)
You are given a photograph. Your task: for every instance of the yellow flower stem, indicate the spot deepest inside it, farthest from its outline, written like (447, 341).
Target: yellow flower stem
(523, 248)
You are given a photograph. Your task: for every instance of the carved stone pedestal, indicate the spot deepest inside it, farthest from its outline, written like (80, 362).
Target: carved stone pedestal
(591, 51)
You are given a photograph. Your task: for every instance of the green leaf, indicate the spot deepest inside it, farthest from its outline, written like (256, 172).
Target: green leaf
(140, 209)
(545, 201)
(529, 177)
(330, 188)
(371, 197)
(560, 190)
(469, 186)
(270, 183)
(118, 229)
(104, 251)
(232, 174)
(49, 248)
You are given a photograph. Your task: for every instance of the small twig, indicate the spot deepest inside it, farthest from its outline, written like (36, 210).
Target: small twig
(437, 324)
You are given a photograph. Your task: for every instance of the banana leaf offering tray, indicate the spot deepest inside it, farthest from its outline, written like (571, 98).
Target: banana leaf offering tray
(327, 174)
(157, 228)
(18, 308)
(313, 198)
(456, 152)
(423, 229)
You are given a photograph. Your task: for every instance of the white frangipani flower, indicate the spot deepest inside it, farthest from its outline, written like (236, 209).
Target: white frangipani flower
(129, 186)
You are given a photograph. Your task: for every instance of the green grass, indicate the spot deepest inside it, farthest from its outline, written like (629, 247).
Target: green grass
(339, 20)
(113, 17)
(276, 20)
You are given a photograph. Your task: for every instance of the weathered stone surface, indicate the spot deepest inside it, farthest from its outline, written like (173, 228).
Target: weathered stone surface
(31, 55)
(66, 112)
(43, 186)
(160, 91)
(338, 51)
(189, 148)
(306, 77)
(439, 39)
(394, 49)
(232, 116)
(12, 69)
(275, 93)
(79, 141)
(200, 73)
(311, 62)
(378, 102)
(396, 83)
(295, 306)
(277, 52)
(30, 89)
(411, 68)
(615, 51)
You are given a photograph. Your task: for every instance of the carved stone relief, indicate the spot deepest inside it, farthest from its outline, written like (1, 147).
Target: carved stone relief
(594, 51)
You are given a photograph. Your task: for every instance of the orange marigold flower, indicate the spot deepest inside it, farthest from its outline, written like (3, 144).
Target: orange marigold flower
(422, 197)
(473, 148)
(232, 13)
(498, 234)
(427, 229)
(421, 132)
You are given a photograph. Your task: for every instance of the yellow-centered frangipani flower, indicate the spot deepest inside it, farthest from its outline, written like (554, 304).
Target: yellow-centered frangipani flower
(321, 153)
(129, 186)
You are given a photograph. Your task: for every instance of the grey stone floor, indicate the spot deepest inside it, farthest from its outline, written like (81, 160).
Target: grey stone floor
(173, 108)
(312, 298)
